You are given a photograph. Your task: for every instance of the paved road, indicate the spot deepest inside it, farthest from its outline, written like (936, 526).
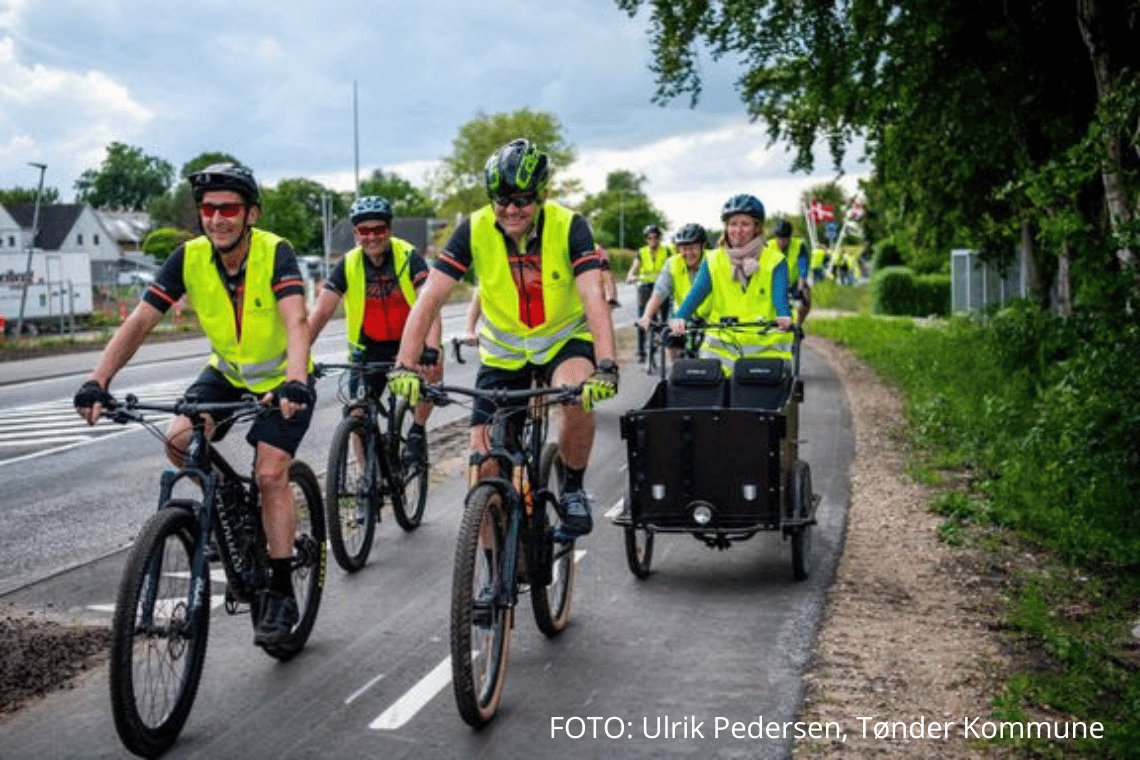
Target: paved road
(710, 637)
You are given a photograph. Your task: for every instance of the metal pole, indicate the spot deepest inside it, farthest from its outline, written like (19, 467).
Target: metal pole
(621, 219)
(356, 144)
(31, 248)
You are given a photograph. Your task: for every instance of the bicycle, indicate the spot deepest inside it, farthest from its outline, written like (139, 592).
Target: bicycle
(368, 462)
(506, 539)
(162, 611)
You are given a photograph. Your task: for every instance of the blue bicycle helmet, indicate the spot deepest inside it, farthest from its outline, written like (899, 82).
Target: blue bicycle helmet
(225, 176)
(517, 167)
(782, 229)
(370, 207)
(690, 233)
(743, 204)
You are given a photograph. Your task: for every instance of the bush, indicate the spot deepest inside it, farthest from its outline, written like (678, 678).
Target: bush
(893, 292)
(888, 254)
(932, 295)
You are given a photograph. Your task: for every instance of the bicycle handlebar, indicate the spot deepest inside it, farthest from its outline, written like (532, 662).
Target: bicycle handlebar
(130, 408)
(440, 394)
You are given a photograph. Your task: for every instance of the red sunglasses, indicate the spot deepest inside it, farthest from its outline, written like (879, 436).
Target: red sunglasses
(227, 210)
(365, 230)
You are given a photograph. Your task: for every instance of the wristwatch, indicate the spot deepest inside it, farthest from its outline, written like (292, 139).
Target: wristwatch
(608, 365)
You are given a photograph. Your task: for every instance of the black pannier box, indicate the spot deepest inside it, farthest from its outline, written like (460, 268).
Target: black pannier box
(696, 383)
(760, 383)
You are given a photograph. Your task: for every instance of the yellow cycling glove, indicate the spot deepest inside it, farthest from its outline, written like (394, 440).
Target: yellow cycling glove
(404, 383)
(601, 385)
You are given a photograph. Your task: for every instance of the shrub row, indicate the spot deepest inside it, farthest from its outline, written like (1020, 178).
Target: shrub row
(898, 291)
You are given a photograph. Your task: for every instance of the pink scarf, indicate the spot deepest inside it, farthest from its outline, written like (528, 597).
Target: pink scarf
(745, 260)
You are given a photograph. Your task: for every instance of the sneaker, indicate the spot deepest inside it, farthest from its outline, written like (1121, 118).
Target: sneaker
(278, 615)
(576, 520)
(415, 448)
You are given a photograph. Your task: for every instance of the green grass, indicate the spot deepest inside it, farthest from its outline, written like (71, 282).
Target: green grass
(1030, 423)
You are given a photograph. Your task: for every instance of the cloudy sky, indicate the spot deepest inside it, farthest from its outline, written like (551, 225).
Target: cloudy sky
(272, 84)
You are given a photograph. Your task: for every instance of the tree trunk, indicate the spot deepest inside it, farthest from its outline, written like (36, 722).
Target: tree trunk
(1102, 23)
(1064, 287)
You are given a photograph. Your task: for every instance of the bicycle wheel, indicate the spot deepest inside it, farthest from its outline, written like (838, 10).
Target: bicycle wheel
(551, 565)
(159, 632)
(480, 627)
(412, 473)
(308, 558)
(351, 499)
(801, 536)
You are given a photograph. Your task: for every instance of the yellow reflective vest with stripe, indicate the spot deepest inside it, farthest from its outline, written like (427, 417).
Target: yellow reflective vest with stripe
(505, 340)
(354, 296)
(652, 262)
(258, 359)
(747, 305)
(683, 283)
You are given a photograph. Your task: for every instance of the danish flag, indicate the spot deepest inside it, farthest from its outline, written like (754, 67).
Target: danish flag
(821, 212)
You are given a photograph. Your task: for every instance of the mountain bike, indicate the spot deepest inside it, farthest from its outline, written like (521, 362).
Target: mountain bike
(369, 462)
(162, 612)
(507, 543)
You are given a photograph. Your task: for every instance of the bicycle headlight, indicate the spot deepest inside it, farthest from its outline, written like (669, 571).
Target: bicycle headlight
(702, 513)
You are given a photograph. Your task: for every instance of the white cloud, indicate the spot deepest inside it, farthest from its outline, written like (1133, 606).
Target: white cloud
(62, 118)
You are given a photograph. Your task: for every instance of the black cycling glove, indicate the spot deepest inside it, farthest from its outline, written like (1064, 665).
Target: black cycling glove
(429, 357)
(296, 392)
(90, 394)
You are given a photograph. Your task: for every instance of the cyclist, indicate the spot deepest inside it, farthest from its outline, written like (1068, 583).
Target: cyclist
(378, 280)
(819, 259)
(799, 260)
(744, 279)
(543, 313)
(677, 275)
(245, 285)
(648, 263)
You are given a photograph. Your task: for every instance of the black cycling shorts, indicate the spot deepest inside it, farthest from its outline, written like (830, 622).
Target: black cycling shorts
(523, 377)
(272, 429)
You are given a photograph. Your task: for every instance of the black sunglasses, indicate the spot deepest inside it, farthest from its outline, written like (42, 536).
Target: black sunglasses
(518, 201)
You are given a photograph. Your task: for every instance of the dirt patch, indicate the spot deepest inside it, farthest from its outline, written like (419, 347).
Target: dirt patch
(39, 654)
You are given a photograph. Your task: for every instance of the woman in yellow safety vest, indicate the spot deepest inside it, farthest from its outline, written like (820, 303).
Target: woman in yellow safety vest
(745, 280)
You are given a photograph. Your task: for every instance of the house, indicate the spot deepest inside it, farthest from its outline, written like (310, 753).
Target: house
(65, 228)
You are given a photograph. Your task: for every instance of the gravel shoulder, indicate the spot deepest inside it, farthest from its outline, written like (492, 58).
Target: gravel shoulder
(907, 633)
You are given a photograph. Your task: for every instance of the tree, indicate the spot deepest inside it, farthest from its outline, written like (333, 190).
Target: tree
(406, 199)
(15, 196)
(162, 241)
(958, 108)
(293, 210)
(458, 184)
(620, 212)
(127, 179)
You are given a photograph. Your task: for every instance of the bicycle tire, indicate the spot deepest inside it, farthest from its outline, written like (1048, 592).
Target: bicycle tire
(480, 628)
(412, 476)
(801, 535)
(309, 559)
(551, 564)
(351, 513)
(155, 667)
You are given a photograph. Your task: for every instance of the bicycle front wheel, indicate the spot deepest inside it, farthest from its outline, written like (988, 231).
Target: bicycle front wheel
(159, 631)
(480, 623)
(551, 562)
(408, 505)
(309, 558)
(351, 498)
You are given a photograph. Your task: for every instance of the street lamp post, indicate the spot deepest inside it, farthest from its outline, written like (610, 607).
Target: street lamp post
(31, 247)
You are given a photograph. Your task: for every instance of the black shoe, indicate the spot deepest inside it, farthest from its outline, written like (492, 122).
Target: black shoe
(576, 520)
(278, 615)
(415, 448)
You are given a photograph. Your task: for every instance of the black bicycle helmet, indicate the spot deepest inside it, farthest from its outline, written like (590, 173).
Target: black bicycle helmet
(225, 176)
(370, 207)
(517, 167)
(743, 204)
(690, 233)
(782, 228)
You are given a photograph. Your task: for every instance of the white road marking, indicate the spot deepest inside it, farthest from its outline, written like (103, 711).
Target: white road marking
(413, 700)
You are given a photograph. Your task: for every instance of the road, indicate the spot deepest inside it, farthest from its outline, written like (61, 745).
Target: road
(657, 668)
